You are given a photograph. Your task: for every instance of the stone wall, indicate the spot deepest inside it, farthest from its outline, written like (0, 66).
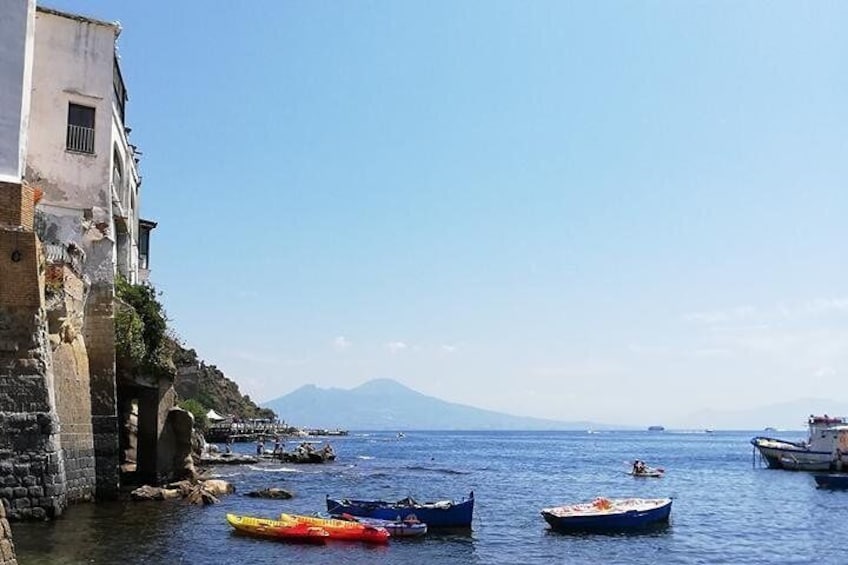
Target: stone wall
(31, 467)
(99, 334)
(7, 548)
(65, 295)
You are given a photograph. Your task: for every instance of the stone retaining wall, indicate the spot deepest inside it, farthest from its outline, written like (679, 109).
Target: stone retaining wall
(7, 548)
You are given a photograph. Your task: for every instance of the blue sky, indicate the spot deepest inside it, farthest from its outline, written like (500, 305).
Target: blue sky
(618, 211)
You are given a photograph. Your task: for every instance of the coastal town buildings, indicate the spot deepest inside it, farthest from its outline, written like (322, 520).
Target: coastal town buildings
(69, 226)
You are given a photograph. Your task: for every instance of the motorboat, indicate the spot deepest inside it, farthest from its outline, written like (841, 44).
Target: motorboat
(826, 447)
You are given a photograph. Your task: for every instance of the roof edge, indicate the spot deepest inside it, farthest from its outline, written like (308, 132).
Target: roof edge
(79, 17)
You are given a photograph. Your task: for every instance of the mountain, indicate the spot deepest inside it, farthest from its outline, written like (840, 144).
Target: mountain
(790, 415)
(385, 404)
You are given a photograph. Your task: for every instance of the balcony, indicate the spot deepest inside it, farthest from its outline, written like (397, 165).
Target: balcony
(80, 139)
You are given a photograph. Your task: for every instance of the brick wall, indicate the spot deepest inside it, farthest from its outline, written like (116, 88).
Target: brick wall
(19, 284)
(17, 205)
(7, 548)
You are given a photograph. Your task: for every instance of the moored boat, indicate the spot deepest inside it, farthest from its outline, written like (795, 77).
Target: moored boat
(408, 528)
(648, 473)
(277, 529)
(442, 514)
(831, 480)
(342, 529)
(825, 445)
(609, 515)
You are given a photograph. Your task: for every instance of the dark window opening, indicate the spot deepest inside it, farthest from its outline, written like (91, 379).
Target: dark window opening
(80, 136)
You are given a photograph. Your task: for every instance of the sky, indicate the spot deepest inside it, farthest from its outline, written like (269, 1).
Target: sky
(623, 212)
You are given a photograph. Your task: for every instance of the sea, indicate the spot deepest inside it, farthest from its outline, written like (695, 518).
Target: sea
(728, 508)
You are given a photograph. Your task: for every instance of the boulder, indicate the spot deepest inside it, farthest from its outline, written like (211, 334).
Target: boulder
(275, 493)
(217, 486)
(175, 446)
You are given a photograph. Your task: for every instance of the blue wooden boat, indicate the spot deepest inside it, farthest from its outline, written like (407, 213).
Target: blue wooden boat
(442, 514)
(609, 515)
(831, 480)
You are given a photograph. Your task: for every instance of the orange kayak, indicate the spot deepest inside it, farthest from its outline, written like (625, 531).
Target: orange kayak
(342, 529)
(279, 529)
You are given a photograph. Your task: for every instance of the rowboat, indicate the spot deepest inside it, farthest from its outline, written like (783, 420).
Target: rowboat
(605, 514)
(408, 528)
(442, 514)
(649, 473)
(341, 529)
(278, 529)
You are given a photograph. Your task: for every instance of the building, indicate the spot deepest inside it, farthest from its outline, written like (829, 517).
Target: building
(69, 226)
(79, 151)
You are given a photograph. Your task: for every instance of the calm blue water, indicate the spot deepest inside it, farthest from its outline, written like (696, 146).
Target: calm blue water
(725, 510)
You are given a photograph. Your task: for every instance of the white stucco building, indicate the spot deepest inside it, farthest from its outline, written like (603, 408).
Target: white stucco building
(79, 153)
(16, 41)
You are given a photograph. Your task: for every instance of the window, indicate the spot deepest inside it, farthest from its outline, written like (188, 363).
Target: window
(80, 136)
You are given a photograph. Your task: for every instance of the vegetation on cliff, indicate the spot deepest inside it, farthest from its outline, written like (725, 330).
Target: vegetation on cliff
(211, 388)
(145, 347)
(141, 341)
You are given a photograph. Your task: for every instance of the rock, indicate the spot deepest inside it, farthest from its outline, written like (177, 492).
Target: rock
(227, 459)
(147, 492)
(275, 493)
(175, 446)
(217, 486)
(201, 496)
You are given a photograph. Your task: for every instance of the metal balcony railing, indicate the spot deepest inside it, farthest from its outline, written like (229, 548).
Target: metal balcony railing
(80, 139)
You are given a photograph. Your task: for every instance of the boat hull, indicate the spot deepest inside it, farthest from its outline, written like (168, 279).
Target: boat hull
(435, 515)
(397, 529)
(611, 521)
(342, 529)
(277, 529)
(831, 481)
(780, 454)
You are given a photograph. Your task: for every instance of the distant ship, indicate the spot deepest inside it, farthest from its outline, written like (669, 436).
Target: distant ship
(656, 429)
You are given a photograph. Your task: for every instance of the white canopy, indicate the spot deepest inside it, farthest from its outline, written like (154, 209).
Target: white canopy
(212, 415)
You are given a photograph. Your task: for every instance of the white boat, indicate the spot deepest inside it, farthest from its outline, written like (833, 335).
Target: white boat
(826, 447)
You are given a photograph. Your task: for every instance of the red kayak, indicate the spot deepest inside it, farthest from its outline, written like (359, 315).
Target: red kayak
(342, 529)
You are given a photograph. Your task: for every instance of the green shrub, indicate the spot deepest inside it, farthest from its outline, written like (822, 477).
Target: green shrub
(198, 411)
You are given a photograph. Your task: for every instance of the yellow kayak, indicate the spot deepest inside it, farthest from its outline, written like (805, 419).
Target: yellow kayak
(341, 529)
(283, 529)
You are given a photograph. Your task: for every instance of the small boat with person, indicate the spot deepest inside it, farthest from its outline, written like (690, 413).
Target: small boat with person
(441, 514)
(285, 530)
(609, 515)
(641, 469)
(341, 529)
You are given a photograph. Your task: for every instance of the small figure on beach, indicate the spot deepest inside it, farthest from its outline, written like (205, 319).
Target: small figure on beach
(260, 446)
(277, 445)
(229, 447)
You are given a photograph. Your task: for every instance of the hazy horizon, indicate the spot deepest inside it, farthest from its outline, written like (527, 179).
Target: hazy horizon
(626, 212)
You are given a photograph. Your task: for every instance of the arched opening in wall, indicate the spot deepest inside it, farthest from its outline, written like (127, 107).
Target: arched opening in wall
(138, 417)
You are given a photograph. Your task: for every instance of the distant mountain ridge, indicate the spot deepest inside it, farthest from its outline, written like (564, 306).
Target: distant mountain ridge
(385, 404)
(791, 415)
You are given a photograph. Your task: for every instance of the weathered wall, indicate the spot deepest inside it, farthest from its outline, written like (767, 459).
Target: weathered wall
(99, 334)
(16, 40)
(72, 62)
(66, 294)
(7, 548)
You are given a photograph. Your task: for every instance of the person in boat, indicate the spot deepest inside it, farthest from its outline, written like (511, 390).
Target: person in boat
(638, 467)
